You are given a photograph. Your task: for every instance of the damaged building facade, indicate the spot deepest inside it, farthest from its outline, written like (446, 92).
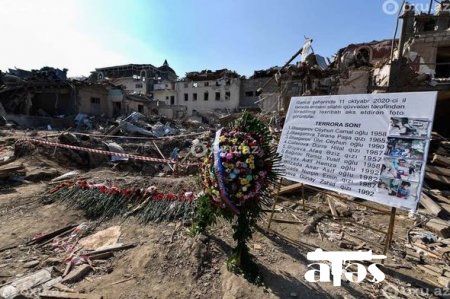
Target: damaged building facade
(418, 61)
(208, 91)
(147, 89)
(48, 97)
(135, 78)
(422, 59)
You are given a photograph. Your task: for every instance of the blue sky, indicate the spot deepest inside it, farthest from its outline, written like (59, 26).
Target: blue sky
(242, 35)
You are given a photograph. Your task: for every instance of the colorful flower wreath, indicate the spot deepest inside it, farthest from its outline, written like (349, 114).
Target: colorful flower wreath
(237, 169)
(236, 177)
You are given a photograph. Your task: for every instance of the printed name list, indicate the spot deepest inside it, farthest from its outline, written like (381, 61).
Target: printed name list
(372, 146)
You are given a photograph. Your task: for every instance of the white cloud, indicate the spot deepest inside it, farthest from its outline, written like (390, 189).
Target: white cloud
(50, 33)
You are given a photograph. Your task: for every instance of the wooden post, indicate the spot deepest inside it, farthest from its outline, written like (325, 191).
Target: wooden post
(303, 197)
(274, 204)
(390, 232)
(162, 156)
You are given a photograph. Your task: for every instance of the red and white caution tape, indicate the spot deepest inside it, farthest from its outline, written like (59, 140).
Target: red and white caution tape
(103, 152)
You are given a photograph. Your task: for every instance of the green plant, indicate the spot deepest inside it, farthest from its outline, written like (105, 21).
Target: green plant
(236, 175)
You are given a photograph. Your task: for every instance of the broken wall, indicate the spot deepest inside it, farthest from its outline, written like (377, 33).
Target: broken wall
(356, 83)
(94, 100)
(52, 104)
(131, 85)
(137, 105)
(270, 102)
(249, 87)
(441, 122)
(209, 95)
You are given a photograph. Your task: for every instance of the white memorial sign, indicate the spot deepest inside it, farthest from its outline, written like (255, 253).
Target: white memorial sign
(372, 146)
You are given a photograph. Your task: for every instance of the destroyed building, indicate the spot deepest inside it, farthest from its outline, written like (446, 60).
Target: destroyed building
(209, 91)
(418, 61)
(165, 91)
(249, 94)
(147, 89)
(47, 97)
(135, 78)
(311, 76)
(422, 60)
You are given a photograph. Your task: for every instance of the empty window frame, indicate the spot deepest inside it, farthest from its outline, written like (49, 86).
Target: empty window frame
(443, 62)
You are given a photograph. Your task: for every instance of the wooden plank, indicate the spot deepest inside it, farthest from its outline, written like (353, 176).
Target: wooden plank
(431, 206)
(4, 162)
(51, 235)
(290, 188)
(439, 226)
(427, 251)
(439, 178)
(111, 249)
(11, 168)
(61, 295)
(33, 280)
(332, 207)
(7, 247)
(438, 170)
(430, 271)
(8, 171)
(441, 160)
(443, 201)
(437, 195)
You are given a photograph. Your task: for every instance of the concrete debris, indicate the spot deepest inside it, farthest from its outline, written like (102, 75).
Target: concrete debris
(104, 238)
(26, 284)
(65, 295)
(67, 175)
(114, 147)
(77, 274)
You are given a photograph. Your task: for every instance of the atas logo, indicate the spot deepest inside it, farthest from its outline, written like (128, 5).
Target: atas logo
(341, 265)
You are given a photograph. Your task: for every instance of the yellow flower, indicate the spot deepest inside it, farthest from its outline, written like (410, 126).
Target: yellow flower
(244, 181)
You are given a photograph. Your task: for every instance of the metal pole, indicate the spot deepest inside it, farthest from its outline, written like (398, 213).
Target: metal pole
(286, 64)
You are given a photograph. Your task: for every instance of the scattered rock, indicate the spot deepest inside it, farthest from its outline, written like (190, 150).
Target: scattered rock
(52, 261)
(31, 264)
(345, 245)
(257, 246)
(308, 229)
(77, 274)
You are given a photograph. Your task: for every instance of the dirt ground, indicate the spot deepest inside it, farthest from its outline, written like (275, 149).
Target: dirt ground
(168, 263)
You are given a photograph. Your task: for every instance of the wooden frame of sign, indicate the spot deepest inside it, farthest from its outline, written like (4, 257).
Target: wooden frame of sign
(300, 186)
